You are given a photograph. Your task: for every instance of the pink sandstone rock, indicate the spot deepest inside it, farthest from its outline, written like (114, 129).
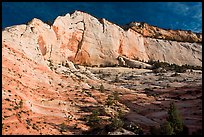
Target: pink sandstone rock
(86, 40)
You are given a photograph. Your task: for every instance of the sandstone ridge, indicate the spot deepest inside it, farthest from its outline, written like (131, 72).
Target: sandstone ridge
(165, 34)
(86, 40)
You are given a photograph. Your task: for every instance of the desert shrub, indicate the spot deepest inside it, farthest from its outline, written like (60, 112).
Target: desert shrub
(172, 67)
(117, 78)
(50, 64)
(110, 101)
(108, 64)
(93, 120)
(102, 89)
(192, 67)
(116, 95)
(180, 69)
(21, 104)
(121, 114)
(35, 127)
(63, 127)
(116, 123)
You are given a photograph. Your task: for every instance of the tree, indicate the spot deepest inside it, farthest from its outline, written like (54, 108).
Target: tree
(173, 126)
(93, 120)
(116, 123)
(166, 129)
(174, 119)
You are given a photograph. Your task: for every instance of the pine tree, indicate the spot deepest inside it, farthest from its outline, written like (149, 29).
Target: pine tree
(174, 119)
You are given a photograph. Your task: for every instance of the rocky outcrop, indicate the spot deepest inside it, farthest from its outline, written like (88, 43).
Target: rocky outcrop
(121, 131)
(86, 40)
(126, 62)
(159, 33)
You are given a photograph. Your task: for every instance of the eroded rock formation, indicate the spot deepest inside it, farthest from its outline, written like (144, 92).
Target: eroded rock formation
(86, 40)
(159, 33)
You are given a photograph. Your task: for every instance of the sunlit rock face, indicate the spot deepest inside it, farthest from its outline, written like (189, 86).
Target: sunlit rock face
(86, 40)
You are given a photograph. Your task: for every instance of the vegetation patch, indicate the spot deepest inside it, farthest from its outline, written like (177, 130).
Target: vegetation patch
(172, 67)
(173, 125)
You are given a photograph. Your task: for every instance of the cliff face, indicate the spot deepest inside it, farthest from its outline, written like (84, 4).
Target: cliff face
(174, 52)
(89, 41)
(86, 40)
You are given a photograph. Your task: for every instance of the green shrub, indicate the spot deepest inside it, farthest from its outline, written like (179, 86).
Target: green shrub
(110, 101)
(116, 123)
(121, 114)
(93, 120)
(172, 67)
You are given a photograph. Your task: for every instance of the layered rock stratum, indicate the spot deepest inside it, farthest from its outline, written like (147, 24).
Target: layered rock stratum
(45, 78)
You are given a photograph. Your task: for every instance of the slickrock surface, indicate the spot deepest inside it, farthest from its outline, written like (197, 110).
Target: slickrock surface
(44, 91)
(149, 94)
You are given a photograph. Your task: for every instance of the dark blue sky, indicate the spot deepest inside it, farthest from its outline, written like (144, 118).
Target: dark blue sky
(173, 15)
